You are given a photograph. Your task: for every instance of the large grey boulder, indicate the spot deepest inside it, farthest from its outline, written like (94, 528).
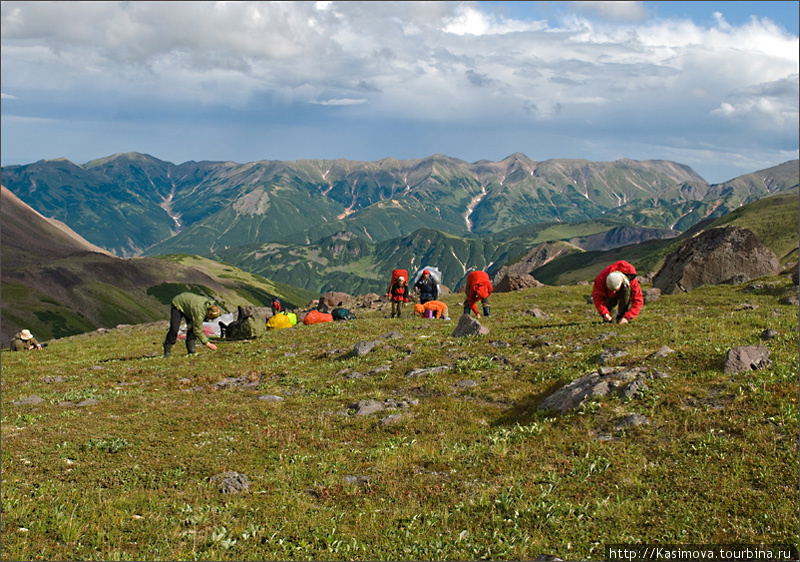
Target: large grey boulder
(469, 326)
(747, 358)
(716, 256)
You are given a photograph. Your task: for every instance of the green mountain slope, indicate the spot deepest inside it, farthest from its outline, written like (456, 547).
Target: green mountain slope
(132, 203)
(55, 283)
(774, 220)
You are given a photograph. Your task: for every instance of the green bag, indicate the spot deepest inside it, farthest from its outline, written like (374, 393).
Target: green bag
(249, 328)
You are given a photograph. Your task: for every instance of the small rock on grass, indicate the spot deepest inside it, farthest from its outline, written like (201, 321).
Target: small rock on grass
(663, 352)
(230, 482)
(769, 334)
(33, 400)
(390, 420)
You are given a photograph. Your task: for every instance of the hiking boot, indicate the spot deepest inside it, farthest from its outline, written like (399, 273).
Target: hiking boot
(167, 348)
(191, 346)
(486, 310)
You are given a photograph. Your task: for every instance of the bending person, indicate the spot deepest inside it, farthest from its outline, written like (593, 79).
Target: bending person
(195, 309)
(617, 287)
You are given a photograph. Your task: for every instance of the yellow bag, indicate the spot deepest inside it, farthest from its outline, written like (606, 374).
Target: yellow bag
(279, 322)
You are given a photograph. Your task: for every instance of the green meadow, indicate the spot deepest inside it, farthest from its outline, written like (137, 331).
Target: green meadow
(466, 472)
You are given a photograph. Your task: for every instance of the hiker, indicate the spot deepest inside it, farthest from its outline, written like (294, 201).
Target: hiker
(398, 292)
(427, 287)
(24, 341)
(478, 288)
(437, 309)
(276, 306)
(195, 309)
(617, 286)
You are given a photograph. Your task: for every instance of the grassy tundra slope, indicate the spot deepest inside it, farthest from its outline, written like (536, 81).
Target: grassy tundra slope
(57, 284)
(468, 471)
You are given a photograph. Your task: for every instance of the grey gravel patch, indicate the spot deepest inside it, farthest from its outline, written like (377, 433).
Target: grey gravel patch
(466, 383)
(393, 335)
(369, 406)
(87, 402)
(30, 400)
(381, 369)
(390, 420)
(793, 300)
(611, 353)
(271, 398)
(53, 379)
(357, 480)
(632, 420)
(499, 343)
(243, 382)
(366, 407)
(537, 313)
(185, 380)
(413, 373)
(748, 306)
(230, 482)
(663, 351)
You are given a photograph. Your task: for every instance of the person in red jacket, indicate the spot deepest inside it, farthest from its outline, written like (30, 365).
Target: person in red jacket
(398, 292)
(617, 286)
(478, 288)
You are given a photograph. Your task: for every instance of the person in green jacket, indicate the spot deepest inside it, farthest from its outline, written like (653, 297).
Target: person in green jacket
(24, 341)
(195, 309)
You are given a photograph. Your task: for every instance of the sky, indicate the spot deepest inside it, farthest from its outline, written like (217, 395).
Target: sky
(713, 85)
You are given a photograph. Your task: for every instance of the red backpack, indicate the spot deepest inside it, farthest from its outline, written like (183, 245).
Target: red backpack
(398, 273)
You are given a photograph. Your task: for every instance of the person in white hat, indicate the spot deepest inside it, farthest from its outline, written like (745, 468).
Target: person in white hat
(617, 287)
(24, 341)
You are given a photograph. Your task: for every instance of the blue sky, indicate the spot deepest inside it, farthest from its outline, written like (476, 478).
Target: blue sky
(713, 85)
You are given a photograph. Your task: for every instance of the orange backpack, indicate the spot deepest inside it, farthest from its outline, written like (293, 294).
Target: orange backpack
(317, 317)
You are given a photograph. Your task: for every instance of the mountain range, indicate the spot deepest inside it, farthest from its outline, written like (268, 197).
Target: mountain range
(314, 226)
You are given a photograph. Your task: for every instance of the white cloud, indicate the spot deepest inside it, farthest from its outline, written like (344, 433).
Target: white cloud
(344, 101)
(7, 97)
(618, 10)
(605, 66)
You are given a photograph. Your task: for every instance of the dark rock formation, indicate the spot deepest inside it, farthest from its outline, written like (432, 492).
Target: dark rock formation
(515, 282)
(713, 257)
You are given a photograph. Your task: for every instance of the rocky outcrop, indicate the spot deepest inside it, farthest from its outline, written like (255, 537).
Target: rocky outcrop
(515, 282)
(623, 382)
(720, 255)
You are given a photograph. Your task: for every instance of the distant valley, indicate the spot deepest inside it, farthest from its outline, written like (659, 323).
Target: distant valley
(74, 237)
